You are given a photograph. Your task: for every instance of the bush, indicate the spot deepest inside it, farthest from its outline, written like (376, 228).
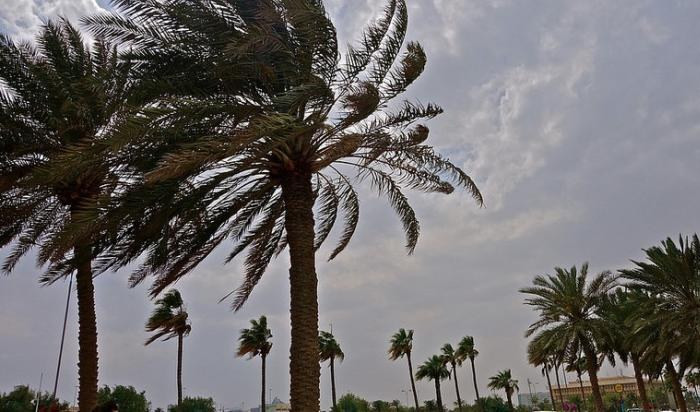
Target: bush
(197, 404)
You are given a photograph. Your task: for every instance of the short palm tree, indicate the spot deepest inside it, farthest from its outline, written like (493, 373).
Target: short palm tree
(255, 341)
(577, 363)
(170, 320)
(268, 145)
(434, 369)
(401, 345)
(539, 354)
(671, 278)
(59, 99)
(451, 358)
(504, 380)
(569, 306)
(467, 350)
(329, 350)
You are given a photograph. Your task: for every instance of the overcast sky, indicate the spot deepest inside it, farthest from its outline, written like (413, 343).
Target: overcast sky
(580, 121)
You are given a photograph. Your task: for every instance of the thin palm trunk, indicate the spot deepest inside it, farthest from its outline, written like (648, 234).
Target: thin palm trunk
(549, 385)
(459, 399)
(476, 387)
(641, 387)
(509, 395)
(561, 396)
(580, 384)
(438, 395)
(262, 397)
(179, 369)
(304, 366)
(592, 366)
(413, 382)
(335, 406)
(87, 331)
(676, 385)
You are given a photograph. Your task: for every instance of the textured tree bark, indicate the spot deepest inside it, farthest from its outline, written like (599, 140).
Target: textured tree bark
(304, 367)
(439, 396)
(640, 383)
(333, 382)
(549, 385)
(459, 399)
(676, 385)
(87, 331)
(476, 387)
(413, 382)
(262, 398)
(592, 366)
(179, 369)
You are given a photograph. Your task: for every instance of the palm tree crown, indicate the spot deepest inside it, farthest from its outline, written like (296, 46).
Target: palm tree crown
(401, 344)
(504, 380)
(255, 341)
(169, 318)
(329, 348)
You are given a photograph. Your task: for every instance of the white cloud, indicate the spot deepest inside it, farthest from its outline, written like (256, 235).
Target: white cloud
(22, 18)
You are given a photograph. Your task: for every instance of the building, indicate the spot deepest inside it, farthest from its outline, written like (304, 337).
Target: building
(276, 406)
(525, 400)
(607, 385)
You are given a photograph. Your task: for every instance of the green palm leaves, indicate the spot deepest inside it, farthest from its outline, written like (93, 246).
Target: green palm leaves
(329, 350)
(434, 369)
(400, 345)
(503, 380)
(255, 341)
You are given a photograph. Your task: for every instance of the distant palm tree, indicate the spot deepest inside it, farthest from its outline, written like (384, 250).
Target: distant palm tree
(401, 345)
(434, 369)
(504, 380)
(169, 320)
(59, 99)
(539, 354)
(467, 350)
(329, 350)
(450, 357)
(569, 309)
(255, 341)
(577, 363)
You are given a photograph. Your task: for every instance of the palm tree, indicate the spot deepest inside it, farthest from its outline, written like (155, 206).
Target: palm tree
(434, 369)
(275, 125)
(451, 357)
(671, 278)
(576, 363)
(539, 354)
(169, 320)
(467, 350)
(568, 306)
(401, 345)
(59, 99)
(504, 380)
(255, 341)
(329, 350)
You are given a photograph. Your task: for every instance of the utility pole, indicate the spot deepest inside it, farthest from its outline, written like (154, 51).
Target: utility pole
(38, 394)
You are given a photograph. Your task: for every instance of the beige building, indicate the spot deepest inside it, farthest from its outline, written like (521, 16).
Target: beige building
(607, 385)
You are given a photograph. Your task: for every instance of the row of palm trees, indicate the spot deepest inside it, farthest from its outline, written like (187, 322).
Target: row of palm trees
(187, 124)
(647, 316)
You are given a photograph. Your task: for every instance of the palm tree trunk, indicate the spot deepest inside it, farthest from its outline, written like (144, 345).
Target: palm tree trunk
(676, 384)
(87, 330)
(476, 387)
(459, 399)
(304, 365)
(549, 385)
(592, 366)
(580, 384)
(641, 387)
(413, 382)
(179, 369)
(438, 395)
(262, 397)
(561, 395)
(509, 395)
(333, 382)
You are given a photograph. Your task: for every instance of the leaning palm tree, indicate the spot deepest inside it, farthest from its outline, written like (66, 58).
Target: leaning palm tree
(255, 341)
(401, 345)
(169, 320)
(451, 357)
(278, 127)
(58, 98)
(671, 278)
(434, 369)
(504, 380)
(467, 350)
(568, 306)
(329, 350)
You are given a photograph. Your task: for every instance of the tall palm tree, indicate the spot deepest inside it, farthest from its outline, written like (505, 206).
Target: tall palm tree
(434, 369)
(401, 345)
(170, 320)
(568, 306)
(59, 98)
(539, 354)
(467, 350)
(504, 380)
(277, 124)
(329, 350)
(255, 341)
(671, 278)
(450, 357)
